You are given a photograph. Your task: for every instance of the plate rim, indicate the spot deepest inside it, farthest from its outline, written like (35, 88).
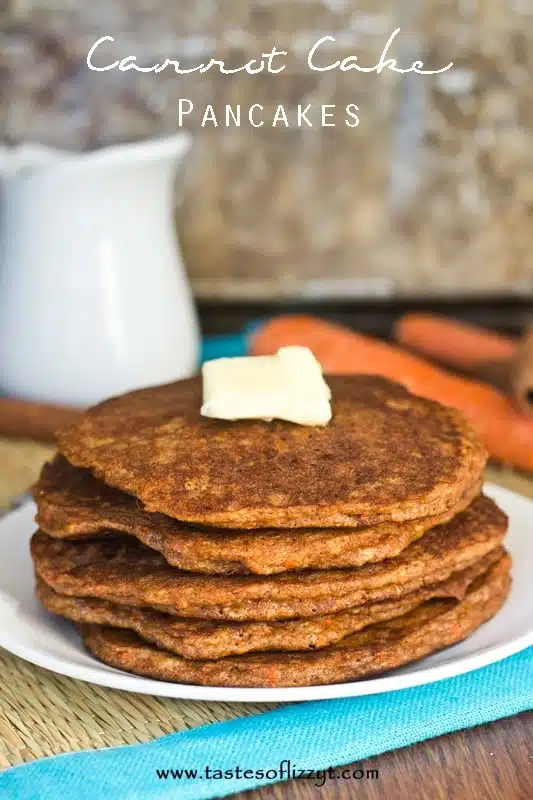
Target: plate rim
(103, 675)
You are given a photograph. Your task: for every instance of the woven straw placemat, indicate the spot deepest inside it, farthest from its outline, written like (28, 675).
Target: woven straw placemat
(42, 714)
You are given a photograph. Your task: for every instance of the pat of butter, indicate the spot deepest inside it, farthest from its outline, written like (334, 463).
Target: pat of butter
(287, 386)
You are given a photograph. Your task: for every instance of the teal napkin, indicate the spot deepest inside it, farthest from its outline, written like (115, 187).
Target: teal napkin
(304, 736)
(228, 346)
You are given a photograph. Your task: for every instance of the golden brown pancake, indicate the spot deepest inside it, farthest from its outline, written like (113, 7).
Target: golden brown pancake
(387, 455)
(72, 502)
(122, 570)
(376, 649)
(201, 639)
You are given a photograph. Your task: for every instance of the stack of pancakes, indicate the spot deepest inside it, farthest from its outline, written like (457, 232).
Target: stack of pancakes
(269, 554)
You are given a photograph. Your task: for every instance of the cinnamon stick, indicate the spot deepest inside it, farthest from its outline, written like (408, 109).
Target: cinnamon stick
(31, 420)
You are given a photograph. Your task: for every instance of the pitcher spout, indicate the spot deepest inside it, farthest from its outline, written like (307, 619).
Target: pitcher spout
(167, 149)
(26, 158)
(34, 158)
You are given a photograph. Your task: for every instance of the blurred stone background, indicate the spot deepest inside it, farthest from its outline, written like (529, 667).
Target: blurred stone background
(431, 195)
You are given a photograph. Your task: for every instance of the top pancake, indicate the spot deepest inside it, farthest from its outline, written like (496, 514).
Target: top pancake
(387, 455)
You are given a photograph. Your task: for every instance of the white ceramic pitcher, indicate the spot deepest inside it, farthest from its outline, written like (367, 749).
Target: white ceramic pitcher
(93, 296)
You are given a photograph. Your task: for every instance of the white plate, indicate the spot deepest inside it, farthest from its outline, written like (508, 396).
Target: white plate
(30, 632)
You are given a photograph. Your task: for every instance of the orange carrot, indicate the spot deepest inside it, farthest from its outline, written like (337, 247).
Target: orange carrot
(507, 434)
(456, 344)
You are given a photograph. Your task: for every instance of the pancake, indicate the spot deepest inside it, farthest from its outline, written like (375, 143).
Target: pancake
(122, 570)
(374, 650)
(199, 639)
(73, 503)
(387, 455)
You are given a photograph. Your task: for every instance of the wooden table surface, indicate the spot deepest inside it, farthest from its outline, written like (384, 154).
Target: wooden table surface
(491, 762)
